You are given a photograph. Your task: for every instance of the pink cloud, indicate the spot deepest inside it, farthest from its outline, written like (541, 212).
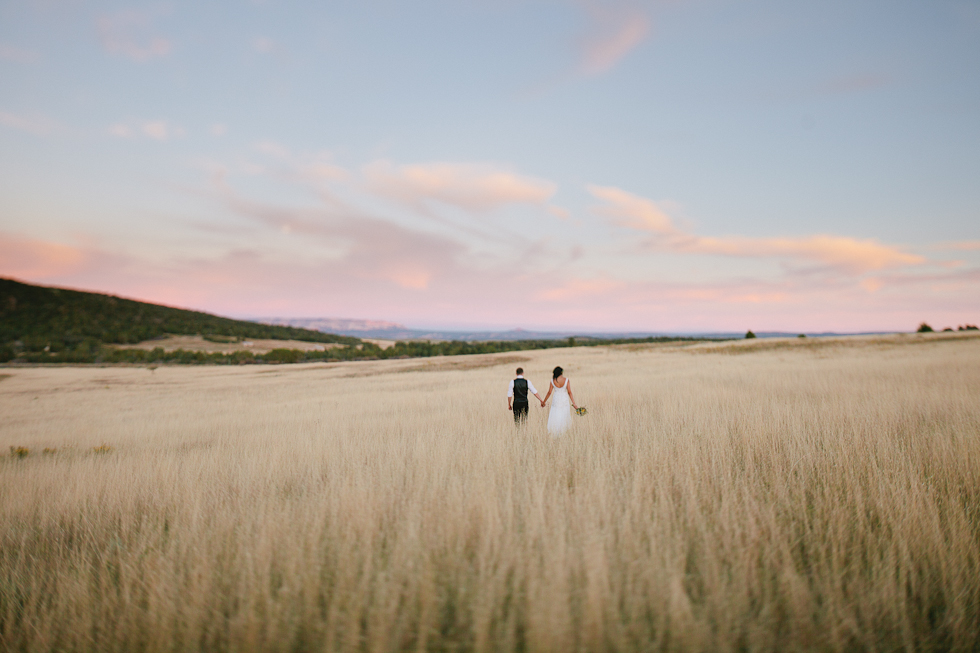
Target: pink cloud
(578, 289)
(263, 45)
(473, 187)
(871, 284)
(849, 254)
(37, 125)
(124, 33)
(158, 130)
(274, 150)
(18, 55)
(314, 169)
(963, 245)
(633, 212)
(323, 170)
(843, 253)
(613, 33)
(121, 130)
(558, 212)
(161, 130)
(27, 258)
(366, 247)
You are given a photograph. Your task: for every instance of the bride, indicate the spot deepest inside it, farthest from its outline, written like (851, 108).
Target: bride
(560, 417)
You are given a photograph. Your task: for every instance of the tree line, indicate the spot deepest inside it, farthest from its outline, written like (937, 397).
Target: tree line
(94, 352)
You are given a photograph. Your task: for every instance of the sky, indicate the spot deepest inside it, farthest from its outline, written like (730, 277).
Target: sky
(662, 166)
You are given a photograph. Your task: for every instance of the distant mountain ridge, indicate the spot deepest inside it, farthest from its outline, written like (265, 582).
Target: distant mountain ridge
(381, 330)
(334, 325)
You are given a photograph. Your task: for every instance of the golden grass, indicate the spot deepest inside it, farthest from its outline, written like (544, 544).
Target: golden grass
(796, 498)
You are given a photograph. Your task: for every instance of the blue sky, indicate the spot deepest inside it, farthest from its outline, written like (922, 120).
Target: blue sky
(685, 165)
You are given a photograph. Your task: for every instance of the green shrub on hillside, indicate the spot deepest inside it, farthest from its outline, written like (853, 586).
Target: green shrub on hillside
(210, 337)
(283, 356)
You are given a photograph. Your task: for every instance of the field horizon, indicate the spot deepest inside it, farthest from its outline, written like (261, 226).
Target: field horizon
(812, 494)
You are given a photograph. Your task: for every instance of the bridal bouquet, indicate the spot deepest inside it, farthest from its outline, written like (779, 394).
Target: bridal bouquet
(581, 410)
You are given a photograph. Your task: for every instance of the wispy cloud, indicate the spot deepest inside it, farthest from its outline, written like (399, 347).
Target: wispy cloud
(18, 55)
(633, 212)
(273, 149)
(322, 168)
(361, 245)
(849, 254)
(613, 32)
(474, 187)
(578, 289)
(28, 258)
(843, 253)
(34, 124)
(158, 130)
(121, 130)
(264, 45)
(963, 245)
(127, 33)
(559, 212)
(315, 168)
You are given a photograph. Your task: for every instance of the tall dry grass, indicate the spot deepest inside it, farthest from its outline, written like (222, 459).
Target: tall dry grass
(792, 499)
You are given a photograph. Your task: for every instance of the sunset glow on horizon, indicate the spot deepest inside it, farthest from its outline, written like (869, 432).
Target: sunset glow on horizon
(688, 166)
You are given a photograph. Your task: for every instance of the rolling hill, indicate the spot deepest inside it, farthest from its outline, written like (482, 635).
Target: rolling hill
(39, 318)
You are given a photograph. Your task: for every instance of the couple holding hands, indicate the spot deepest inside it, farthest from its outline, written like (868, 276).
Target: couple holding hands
(560, 417)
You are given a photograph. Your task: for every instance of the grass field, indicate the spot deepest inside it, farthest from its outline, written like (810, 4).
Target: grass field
(800, 495)
(254, 345)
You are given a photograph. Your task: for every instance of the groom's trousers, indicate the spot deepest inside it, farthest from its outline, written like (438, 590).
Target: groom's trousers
(520, 412)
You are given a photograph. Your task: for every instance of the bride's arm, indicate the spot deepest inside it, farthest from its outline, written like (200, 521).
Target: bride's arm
(547, 396)
(571, 397)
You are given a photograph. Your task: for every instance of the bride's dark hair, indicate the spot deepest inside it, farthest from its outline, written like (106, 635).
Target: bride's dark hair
(556, 372)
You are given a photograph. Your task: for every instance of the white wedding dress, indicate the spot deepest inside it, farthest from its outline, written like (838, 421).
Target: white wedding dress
(560, 417)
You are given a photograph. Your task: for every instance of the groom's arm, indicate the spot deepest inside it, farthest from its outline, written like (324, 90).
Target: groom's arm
(534, 391)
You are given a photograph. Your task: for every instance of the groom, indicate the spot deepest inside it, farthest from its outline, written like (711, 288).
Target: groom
(517, 396)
